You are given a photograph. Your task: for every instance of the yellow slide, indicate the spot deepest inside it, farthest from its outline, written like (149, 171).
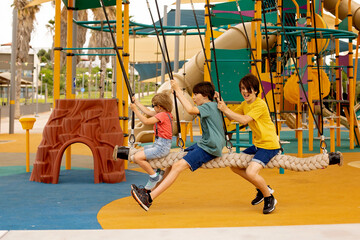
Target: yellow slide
(330, 6)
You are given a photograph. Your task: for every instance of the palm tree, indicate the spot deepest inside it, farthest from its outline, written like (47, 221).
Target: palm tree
(92, 58)
(81, 32)
(97, 38)
(26, 18)
(103, 39)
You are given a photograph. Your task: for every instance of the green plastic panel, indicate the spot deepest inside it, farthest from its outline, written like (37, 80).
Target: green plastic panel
(271, 17)
(227, 13)
(89, 4)
(344, 24)
(289, 6)
(232, 66)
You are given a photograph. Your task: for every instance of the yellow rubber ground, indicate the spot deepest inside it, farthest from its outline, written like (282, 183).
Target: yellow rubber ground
(220, 198)
(19, 143)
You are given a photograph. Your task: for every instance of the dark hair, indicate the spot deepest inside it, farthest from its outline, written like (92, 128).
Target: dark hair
(250, 83)
(163, 100)
(206, 89)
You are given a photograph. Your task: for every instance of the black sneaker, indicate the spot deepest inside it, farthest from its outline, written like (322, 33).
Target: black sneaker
(133, 186)
(142, 197)
(260, 197)
(140, 188)
(269, 204)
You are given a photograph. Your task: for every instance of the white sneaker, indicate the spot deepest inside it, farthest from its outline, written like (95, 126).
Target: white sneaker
(153, 181)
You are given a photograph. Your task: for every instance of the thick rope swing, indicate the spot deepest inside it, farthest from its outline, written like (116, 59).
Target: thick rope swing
(242, 160)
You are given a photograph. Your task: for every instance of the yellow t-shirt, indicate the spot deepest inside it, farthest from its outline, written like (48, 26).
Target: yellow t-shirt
(263, 128)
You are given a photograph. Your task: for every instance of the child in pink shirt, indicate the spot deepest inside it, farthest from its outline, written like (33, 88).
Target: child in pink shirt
(162, 119)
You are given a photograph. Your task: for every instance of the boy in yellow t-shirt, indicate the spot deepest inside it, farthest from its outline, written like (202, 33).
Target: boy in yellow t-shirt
(253, 111)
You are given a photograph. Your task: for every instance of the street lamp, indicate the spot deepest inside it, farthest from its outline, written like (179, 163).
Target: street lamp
(37, 98)
(82, 86)
(89, 85)
(109, 83)
(41, 86)
(43, 75)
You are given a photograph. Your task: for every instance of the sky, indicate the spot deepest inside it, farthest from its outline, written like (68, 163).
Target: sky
(41, 37)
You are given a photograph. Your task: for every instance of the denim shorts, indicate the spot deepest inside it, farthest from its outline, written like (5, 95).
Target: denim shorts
(262, 156)
(196, 157)
(159, 149)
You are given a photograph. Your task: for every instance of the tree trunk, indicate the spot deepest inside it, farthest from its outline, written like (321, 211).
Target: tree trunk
(113, 79)
(102, 76)
(18, 90)
(90, 78)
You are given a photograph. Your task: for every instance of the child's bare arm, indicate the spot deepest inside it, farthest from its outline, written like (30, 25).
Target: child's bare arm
(143, 108)
(187, 105)
(242, 119)
(142, 118)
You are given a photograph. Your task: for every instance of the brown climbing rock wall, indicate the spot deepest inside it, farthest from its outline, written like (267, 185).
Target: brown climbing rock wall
(93, 122)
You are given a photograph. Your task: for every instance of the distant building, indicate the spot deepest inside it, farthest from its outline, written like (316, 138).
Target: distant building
(29, 76)
(29, 67)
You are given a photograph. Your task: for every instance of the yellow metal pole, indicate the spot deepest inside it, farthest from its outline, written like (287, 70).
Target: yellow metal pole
(207, 42)
(351, 81)
(27, 151)
(183, 131)
(253, 43)
(119, 77)
(69, 59)
(126, 63)
(299, 132)
(57, 51)
(190, 124)
(338, 77)
(332, 135)
(356, 59)
(310, 80)
(279, 78)
(27, 124)
(258, 34)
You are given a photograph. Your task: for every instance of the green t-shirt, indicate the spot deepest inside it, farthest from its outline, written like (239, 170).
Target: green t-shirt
(213, 136)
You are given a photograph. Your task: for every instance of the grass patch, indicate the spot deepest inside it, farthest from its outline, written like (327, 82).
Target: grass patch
(146, 100)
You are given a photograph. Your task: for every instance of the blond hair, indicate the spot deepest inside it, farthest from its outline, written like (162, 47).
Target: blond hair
(163, 100)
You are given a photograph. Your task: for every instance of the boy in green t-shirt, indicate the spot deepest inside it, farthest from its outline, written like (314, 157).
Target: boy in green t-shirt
(209, 147)
(253, 111)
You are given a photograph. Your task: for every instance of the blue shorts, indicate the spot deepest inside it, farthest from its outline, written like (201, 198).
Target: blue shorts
(262, 156)
(196, 157)
(159, 149)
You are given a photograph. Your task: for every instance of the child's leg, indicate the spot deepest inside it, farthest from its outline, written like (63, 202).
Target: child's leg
(167, 170)
(176, 169)
(251, 174)
(252, 171)
(140, 159)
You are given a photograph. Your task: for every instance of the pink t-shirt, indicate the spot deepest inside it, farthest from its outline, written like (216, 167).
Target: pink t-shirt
(164, 125)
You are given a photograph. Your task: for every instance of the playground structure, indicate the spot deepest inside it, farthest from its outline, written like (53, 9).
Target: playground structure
(307, 36)
(283, 42)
